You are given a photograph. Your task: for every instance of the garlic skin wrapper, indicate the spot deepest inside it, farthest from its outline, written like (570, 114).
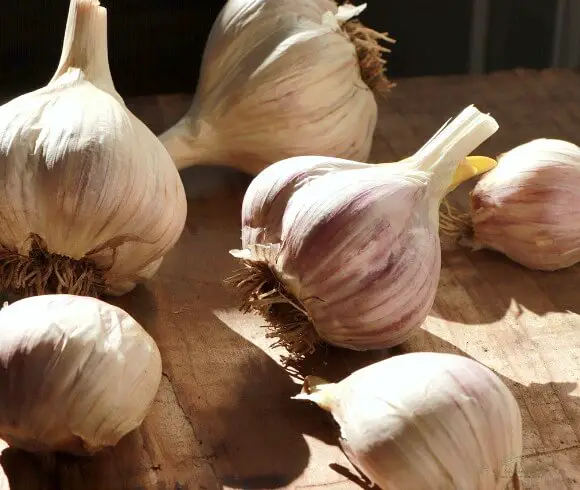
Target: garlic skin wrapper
(424, 421)
(282, 78)
(526, 206)
(76, 374)
(347, 252)
(91, 199)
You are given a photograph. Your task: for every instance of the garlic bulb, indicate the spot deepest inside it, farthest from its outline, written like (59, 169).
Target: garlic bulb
(91, 199)
(282, 78)
(426, 421)
(525, 207)
(76, 374)
(348, 252)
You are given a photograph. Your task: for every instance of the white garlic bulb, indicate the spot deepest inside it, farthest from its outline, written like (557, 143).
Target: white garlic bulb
(426, 421)
(282, 78)
(347, 252)
(92, 200)
(76, 374)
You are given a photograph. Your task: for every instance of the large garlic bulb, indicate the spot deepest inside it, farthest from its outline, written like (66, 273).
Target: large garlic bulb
(348, 252)
(526, 206)
(426, 421)
(91, 199)
(282, 78)
(76, 374)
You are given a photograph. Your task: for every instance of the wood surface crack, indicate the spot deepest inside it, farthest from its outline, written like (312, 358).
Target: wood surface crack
(551, 451)
(208, 459)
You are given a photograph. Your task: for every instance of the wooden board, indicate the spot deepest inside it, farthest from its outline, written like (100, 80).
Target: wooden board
(223, 418)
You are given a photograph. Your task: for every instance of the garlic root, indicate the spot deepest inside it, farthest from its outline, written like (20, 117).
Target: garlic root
(40, 272)
(262, 292)
(370, 54)
(453, 223)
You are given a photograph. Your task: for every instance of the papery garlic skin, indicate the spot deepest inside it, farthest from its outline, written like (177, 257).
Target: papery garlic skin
(426, 421)
(80, 172)
(279, 79)
(76, 374)
(526, 206)
(354, 247)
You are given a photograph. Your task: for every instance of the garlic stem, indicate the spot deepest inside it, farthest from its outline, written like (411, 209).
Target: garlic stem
(85, 45)
(443, 153)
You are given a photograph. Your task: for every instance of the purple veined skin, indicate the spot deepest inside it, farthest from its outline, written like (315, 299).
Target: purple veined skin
(357, 245)
(525, 207)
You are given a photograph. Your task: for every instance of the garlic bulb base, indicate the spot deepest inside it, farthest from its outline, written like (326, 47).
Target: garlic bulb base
(43, 272)
(262, 292)
(370, 54)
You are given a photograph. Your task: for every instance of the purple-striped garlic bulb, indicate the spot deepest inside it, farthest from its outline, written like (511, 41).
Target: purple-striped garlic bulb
(348, 252)
(525, 207)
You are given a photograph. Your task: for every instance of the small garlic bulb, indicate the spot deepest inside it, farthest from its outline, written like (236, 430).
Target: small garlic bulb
(91, 199)
(279, 79)
(348, 252)
(525, 207)
(76, 374)
(426, 421)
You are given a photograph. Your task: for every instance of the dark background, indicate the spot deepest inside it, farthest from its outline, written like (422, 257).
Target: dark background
(155, 46)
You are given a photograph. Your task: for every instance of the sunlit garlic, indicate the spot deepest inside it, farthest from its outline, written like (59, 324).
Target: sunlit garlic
(347, 252)
(91, 200)
(526, 206)
(280, 79)
(426, 421)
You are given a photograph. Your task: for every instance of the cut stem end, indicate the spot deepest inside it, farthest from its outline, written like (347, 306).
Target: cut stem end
(263, 293)
(85, 44)
(42, 272)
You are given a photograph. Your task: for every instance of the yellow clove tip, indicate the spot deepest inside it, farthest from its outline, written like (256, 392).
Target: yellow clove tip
(471, 167)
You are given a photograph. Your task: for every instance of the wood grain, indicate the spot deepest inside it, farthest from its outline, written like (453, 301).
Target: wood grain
(223, 418)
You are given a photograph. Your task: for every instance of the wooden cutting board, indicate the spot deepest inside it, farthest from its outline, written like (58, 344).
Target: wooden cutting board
(223, 418)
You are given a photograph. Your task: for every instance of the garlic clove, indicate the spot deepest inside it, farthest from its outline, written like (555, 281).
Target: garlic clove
(282, 79)
(92, 199)
(76, 374)
(426, 420)
(345, 252)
